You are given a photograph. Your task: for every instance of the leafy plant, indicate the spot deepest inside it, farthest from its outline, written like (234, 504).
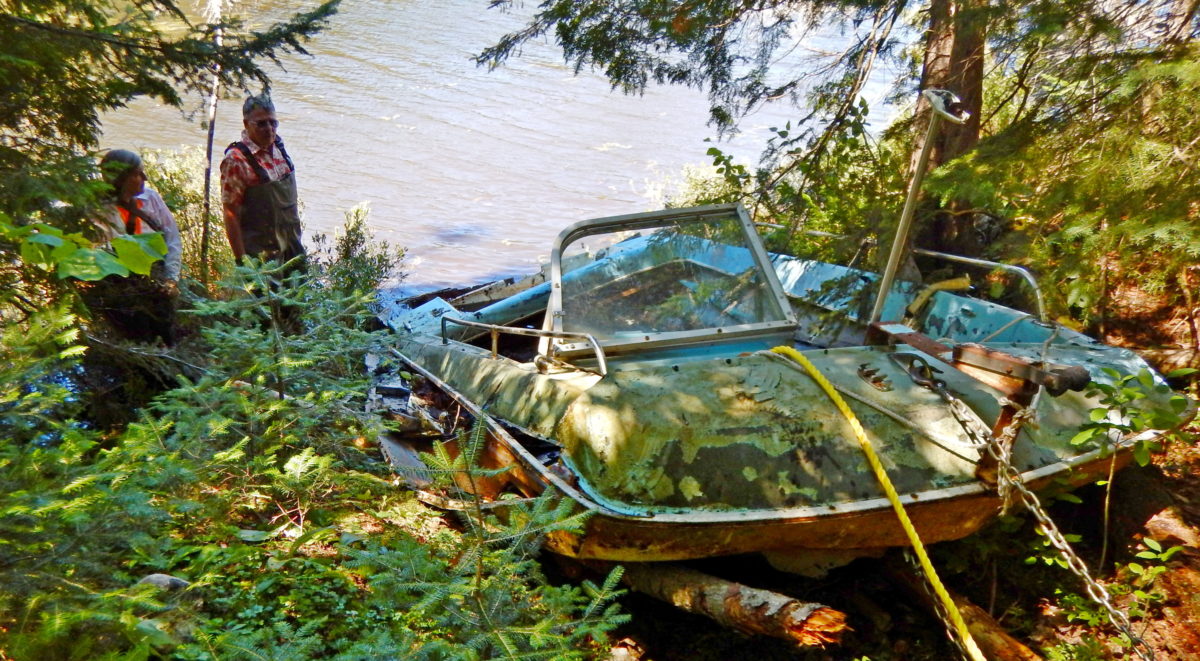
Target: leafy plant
(355, 260)
(1135, 579)
(253, 482)
(1131, 404)
(178, 175)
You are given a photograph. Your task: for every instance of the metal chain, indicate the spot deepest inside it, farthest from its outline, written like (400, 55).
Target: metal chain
(938, 608)
(1000, 448)
(977, 433)
(1009, 482)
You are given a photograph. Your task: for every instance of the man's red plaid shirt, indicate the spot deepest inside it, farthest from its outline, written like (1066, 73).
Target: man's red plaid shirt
(237, 173)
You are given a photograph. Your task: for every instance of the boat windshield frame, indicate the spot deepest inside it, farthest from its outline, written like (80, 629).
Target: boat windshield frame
(653, 340)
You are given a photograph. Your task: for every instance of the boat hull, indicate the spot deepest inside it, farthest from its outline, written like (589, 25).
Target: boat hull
(652, 395)
(845, 530)
(851, 533)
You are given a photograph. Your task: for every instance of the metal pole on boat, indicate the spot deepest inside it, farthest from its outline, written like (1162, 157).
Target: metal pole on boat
(945, 106)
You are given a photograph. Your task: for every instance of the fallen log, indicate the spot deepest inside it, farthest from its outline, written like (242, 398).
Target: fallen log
(746, 609)
(995, 643)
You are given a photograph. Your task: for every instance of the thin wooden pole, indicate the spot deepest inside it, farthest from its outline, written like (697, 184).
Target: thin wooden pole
(212, 15)
(910, 205)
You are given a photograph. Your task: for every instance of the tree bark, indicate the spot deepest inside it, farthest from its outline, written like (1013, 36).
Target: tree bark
(737, 606)
(954, 52)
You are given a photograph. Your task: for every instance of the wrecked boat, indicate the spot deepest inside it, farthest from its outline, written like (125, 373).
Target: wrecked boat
(641, 376)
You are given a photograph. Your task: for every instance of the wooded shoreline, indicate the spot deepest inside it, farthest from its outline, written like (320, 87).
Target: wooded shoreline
(154, 506)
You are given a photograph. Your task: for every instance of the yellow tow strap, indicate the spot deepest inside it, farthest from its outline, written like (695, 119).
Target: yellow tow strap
(956, 619)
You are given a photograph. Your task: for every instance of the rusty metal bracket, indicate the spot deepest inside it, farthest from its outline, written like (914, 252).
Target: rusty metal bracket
(884, 332)
(1057, 379)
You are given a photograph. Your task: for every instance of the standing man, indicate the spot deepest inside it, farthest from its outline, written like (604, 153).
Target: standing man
(258, 189)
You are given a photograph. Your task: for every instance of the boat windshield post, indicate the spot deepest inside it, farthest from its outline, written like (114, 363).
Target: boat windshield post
(945, 105)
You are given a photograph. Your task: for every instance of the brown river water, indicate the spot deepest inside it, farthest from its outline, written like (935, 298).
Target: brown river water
(473, 171)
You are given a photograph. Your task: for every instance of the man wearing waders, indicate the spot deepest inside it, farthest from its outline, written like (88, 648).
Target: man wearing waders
(258, 193)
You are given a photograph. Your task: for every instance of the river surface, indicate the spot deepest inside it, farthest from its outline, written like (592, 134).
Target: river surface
(474, 171)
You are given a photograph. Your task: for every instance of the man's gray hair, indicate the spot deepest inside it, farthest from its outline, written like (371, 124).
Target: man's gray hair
(255, 102)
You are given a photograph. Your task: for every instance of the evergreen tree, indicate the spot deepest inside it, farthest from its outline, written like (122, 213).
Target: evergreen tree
(743, 55)
(67, 61)
(1025, 59)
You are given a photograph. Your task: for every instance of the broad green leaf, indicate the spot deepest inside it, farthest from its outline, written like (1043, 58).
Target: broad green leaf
(139, 252)
(309, 535)
(46, 238)
(1084, 436)
(253, 535)
(154, 634)
(90, 264)
(62, 252)
(37, 254)
(1146, 378)
(1141, 454)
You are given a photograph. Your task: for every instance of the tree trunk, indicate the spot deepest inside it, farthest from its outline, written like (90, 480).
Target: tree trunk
(212, 14)
(954, 50)
(737, 606)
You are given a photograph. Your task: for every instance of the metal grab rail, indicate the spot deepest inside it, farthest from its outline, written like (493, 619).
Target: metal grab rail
(1021, 271)
(494, 330)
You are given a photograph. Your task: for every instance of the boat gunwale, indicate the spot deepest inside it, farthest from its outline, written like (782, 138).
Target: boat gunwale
(975, 488)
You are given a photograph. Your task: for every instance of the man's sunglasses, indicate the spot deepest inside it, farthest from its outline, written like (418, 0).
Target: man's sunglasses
(262, 123)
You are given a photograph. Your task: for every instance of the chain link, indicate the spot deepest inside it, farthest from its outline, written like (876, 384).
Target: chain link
(1097, 592)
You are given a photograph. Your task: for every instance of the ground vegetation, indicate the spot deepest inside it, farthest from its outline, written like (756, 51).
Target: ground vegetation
(243, 511)
(230, 503)
(222, 498)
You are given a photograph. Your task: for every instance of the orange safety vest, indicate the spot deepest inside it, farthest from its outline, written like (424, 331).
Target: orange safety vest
(133, 222)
